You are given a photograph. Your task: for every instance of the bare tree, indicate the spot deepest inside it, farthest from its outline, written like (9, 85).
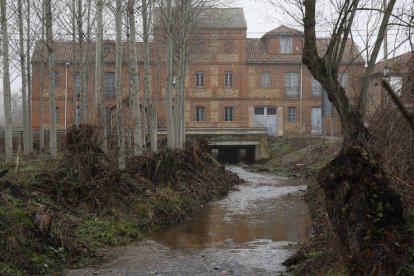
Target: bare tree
(99, 102)
(6, 82)
(118, 86)
(352, 178)
(50, 63)
(22, 56)
(135, 80)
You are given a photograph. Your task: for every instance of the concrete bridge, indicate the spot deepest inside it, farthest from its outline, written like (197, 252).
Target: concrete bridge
(226, 144)
(234, 144)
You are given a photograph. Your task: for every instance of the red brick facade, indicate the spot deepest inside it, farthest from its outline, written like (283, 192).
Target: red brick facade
(224, 50)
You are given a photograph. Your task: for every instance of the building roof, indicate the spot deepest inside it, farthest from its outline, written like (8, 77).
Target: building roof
(222, 18)
(68, 51)
(256, 53)
(283, 31)
(400, 64)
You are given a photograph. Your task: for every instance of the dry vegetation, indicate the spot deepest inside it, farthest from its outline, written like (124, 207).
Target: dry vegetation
(61, 213)
(324, 253)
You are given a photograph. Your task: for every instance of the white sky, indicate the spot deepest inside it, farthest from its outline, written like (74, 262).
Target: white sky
(261, 17)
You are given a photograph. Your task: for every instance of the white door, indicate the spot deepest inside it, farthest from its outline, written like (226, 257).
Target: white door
(266, 116)
(316, 118)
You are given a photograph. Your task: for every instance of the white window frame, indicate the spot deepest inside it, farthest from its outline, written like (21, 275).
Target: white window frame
(292, 88)
(56, 78)
(199, 79)
(396, 84)
(228, 113)
(200, 113)
(343, 80)
(265, 80)
(316, 88)
(291, 114)
(228, 79)
(286, 45)
(106, 88)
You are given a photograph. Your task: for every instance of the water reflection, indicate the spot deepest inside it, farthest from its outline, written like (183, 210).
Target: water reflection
(265, 208)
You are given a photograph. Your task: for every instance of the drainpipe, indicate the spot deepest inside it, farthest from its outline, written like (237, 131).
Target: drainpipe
(66, 91)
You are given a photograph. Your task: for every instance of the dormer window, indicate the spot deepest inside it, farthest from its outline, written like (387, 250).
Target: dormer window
(285, 45)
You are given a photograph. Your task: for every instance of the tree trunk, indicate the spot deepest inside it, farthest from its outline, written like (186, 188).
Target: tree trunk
(22, 57)
(170, 80)
(6, 84)
(154, 112)
(99, 99)
(82, 65)
(29, 80)
(50, 57)
(118, 87)
(364, 211)
(135, 81)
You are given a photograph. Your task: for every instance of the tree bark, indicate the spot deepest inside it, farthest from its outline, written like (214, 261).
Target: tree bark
(118, 87)
(6, 83)
(99, 97)
(170, 79)
(51, 61)
(22, 57)
(362, 208)
(135, 81)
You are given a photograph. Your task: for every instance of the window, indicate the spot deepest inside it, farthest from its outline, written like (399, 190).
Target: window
(292, 84)
(78, 116)
(396, 84)
(228, 113)
(343, 80)
(56, 78)
(265, 80)
(228, 79)
(316, 88)
(200, 113)
(77, 84)
(199, 79)
(108, 117)
(291, 114)
(285, 45)
(57, 114)
(259, 111)
(109, 84)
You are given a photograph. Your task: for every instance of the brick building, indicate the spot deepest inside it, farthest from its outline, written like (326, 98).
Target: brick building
(231, 80)
(399, 73)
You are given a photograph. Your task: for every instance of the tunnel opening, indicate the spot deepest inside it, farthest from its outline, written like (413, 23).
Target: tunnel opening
(233, 154)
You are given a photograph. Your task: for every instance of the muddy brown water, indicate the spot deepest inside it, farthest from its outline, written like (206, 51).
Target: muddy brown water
(250, 232)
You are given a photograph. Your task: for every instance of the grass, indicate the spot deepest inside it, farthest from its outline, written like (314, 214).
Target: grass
(87, 217)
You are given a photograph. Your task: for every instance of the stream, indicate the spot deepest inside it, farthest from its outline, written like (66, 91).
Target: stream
(250, 232)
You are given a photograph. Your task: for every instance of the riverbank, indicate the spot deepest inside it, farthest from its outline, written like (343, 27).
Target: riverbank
(323, 253)
(303, 157)
(64, 213)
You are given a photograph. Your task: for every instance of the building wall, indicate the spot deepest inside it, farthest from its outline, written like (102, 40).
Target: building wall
(220, 51)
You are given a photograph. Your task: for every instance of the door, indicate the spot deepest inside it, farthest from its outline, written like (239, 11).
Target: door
(266, 116)
(316, 118)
